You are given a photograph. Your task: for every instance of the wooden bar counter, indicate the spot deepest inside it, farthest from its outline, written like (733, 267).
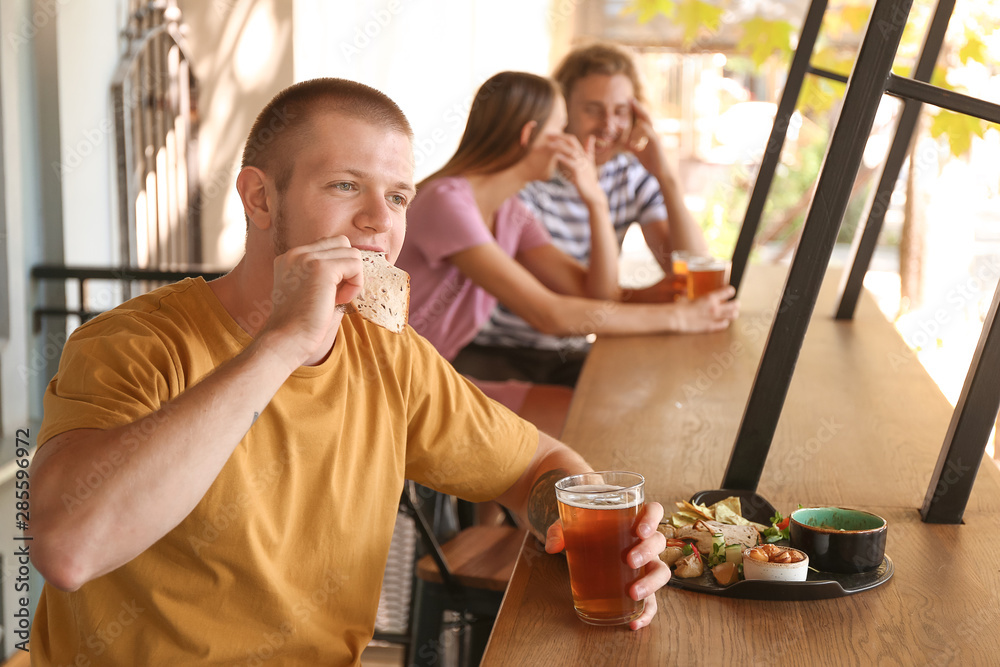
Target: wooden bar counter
(862, 427)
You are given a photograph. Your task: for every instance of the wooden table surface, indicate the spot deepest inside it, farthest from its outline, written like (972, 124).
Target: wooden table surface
(862, 427)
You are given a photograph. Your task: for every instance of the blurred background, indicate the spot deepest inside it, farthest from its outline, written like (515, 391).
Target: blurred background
(122, 123)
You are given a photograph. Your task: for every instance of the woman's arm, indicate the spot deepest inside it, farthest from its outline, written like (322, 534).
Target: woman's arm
(491, 268)
(579, 168)
(557, 270)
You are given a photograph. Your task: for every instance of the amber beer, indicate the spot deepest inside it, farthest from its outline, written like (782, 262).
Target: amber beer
(599, 512)
(706, 274)
(678, 263)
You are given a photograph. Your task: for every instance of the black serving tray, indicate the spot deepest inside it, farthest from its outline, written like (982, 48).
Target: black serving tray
(817, 586)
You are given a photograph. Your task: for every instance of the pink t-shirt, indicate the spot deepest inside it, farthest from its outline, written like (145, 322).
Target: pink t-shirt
(446, 307)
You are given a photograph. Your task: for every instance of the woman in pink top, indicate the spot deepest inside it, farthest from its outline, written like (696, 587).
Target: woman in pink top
(471, 242)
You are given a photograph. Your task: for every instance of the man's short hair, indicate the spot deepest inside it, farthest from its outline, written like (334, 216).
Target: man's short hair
(596, 59)
(282, 126)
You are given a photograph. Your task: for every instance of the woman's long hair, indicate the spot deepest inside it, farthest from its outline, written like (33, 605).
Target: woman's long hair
(492, 138)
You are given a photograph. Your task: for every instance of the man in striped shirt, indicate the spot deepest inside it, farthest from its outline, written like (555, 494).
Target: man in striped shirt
(602, 91)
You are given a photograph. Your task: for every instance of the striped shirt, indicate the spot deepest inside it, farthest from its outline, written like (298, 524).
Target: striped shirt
(633, 196)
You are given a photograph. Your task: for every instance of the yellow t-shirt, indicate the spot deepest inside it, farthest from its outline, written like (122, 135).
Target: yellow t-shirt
(281, 561)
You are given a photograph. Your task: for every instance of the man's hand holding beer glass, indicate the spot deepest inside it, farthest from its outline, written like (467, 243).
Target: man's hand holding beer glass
(619, 521)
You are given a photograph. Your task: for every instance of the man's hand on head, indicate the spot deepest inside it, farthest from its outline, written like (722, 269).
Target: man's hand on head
(643, 141)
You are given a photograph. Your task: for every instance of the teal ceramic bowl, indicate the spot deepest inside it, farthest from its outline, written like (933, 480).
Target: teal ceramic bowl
(838, 539)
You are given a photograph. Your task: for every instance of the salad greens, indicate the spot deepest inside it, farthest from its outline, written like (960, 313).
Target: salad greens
(778, 530)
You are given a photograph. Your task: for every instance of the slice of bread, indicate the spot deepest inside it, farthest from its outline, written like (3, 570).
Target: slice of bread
(385, 297)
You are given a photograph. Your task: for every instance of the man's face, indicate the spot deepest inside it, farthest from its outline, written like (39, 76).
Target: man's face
(601, 105)
(351, 178)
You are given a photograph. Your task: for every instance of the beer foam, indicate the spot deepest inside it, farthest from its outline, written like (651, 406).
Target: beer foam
(579, 496)
(593, 488)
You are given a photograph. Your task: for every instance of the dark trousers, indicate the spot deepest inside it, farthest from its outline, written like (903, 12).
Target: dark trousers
(487, 362)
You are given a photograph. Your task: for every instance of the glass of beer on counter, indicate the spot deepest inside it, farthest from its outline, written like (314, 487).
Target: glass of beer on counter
(678, 263)
(599, 511)
(706, 274)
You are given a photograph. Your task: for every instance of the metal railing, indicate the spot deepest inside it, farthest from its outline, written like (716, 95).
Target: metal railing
(154, 94)
(126, 276)
(871, 79)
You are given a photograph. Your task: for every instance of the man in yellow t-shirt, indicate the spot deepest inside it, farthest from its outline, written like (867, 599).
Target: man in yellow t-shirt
(221, 462)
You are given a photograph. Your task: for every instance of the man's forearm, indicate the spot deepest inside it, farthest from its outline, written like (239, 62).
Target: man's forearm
(685, 234)
(541, 509)
(159, 467)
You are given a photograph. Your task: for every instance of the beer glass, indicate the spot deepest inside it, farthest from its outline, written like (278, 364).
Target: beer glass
(678, 262)
(599, 511)
(706, 274)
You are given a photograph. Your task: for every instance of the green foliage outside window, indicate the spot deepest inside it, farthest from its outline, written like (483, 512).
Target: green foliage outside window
(766, 43)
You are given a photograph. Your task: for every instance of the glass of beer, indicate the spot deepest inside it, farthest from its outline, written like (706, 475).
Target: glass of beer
(706, 274)
(599, 511)
(678, 262)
